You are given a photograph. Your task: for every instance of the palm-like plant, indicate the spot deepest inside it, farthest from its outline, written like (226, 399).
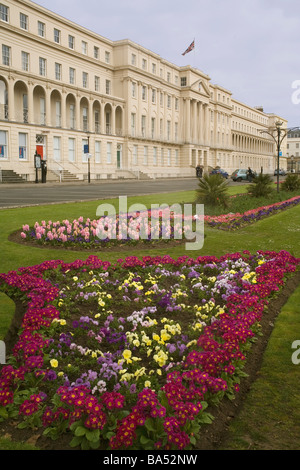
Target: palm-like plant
(291, 183)
(212, 191)
(262, 186)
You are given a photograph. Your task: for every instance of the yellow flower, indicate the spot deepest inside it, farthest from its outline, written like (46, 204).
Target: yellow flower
(147, 384)
(127, 355)
(54, 363)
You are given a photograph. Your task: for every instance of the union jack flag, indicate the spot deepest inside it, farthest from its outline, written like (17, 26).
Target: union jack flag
(190, 48)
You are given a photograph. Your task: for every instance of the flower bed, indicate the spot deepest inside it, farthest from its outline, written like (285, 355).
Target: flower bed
(131, 355)
(233, 221)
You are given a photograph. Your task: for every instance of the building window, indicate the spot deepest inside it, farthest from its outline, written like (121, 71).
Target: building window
(133, 116)
(97, 84)
(133, 90)
(169, 101)
(5, 55)
(143, 126)
(97, 151)
(153, 96)
(23, 21)
(155, 156)
(183, 81)
(176, 157)
(57, 71)
(176, 104)
(153, 123)
(56, 35)
(3, 13)
(56, 148)
(135, 155)
(25, 61)
(71, 42)
(145, 155)
(84, 47)
(154, 69)
(168, 130)
(161, 99)
(96, 52)
(176, 131)
(42, 66)
(58, 114)
(144, 93)
(168, 77)
(41, 29)
(85, 119)
(162, 157)
(133, 59)
(169, 157)
(3, 144)
(144, 64)
(72, 76)
(108, 152)
(107, 87)
(71, 149)
(22, 146)
(25, 108)
(72, 116)
(107, 57)
(84, 79)
(42, 111)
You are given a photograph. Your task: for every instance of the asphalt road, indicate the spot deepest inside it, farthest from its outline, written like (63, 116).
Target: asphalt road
(31, 194)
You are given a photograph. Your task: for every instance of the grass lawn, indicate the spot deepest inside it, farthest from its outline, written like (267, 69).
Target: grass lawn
(270, 418)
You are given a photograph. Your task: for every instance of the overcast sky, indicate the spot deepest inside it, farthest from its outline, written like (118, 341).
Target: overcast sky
(250, 47)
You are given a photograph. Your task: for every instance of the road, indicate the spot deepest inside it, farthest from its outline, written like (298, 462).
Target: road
(31, 194)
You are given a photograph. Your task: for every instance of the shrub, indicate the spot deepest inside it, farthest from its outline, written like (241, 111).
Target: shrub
(262, 186)
(212, 191)
(291, 183)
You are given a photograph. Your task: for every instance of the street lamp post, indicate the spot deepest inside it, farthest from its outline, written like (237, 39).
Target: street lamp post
(89, 168)
(278, 134)
(292, 163)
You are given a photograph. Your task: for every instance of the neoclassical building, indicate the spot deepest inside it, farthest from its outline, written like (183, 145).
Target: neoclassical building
(113, 108)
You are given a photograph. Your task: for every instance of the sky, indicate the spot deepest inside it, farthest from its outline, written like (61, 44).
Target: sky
(249, 47)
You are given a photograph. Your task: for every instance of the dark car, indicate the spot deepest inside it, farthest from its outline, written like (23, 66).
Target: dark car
(219, 171)
(241, 175)
(281, 172)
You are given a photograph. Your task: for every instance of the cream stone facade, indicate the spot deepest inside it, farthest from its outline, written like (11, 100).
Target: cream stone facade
(114, 109)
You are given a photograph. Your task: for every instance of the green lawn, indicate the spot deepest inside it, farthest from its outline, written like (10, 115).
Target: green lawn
(270, 418)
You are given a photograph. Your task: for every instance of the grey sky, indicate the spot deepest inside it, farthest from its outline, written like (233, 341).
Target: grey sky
(250, 47)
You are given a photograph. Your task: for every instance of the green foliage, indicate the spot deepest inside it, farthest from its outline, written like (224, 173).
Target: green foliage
(212, 191)
(291, 183)
(262, 186)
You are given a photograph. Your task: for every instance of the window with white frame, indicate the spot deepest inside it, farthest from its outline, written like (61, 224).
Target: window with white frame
(42, 66)
(107, 87)
(108, 152)
(71, 76)
(84, 155)
(133, 123)
(23, 21)
(154, 156)
(42, 111)
(169, 157)
(154, 69)
(133, 89)
(97, 151)
(84, 79)
(168, 130)
(168, 77)
(133, 59)
(107, 57)
(71, 149)
(135, 155)
(22, 146)
(3, 13)
(58, 114)
(144, 93)
(97, 83)
(145, 155)
(153, 124)
(6, 55)
(143, 126)
(176, 104)
(41, 29)
(71, 42)
(56, 35)
(57, 71)
(153, 96)
(169, 101)
(162, 157)
(72, 116)
(84, 47)
(176, 131)
(25, 61)
(144, 64)
(85, 119)
(57, 148)
(176, 157)
(3, 144)
(161, 99)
